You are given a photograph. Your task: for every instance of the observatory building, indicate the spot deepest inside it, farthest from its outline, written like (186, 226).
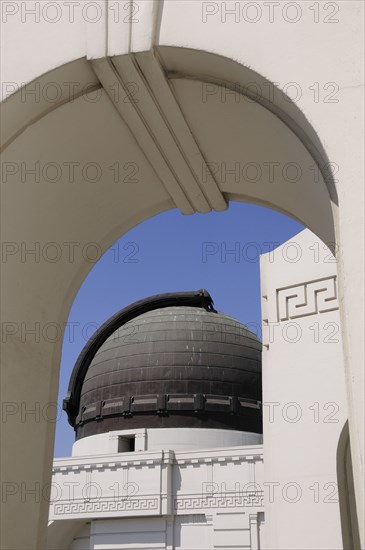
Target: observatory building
(166, 402)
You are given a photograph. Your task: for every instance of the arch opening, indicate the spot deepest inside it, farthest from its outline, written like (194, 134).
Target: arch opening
(220, 252)
(106, 165)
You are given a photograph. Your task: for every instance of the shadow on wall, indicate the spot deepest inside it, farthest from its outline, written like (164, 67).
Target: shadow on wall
(346, 493)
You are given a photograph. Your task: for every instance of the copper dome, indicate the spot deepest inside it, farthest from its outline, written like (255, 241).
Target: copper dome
(168, 361)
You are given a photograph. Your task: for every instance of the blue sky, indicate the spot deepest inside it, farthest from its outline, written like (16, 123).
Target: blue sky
(172, 252)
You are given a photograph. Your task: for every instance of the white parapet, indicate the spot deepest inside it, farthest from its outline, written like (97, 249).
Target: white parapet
(160, 499)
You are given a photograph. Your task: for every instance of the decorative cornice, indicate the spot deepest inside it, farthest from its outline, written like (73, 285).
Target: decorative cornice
(130, 460)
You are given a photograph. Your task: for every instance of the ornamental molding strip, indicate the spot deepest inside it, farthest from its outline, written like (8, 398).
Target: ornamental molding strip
(130, 506)
(137, 86)
(62, 466)
(220, 501)
(97, 507)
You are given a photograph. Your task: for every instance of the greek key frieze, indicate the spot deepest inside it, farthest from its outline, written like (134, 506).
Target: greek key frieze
(100, 506)
(306, 299)
(229, 500)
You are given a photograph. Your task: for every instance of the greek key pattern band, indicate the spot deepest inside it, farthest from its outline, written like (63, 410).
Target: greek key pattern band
(225, 500)
(100, 506)
(306, 299)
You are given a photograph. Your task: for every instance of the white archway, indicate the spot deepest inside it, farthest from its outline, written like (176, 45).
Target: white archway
(71, 170)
